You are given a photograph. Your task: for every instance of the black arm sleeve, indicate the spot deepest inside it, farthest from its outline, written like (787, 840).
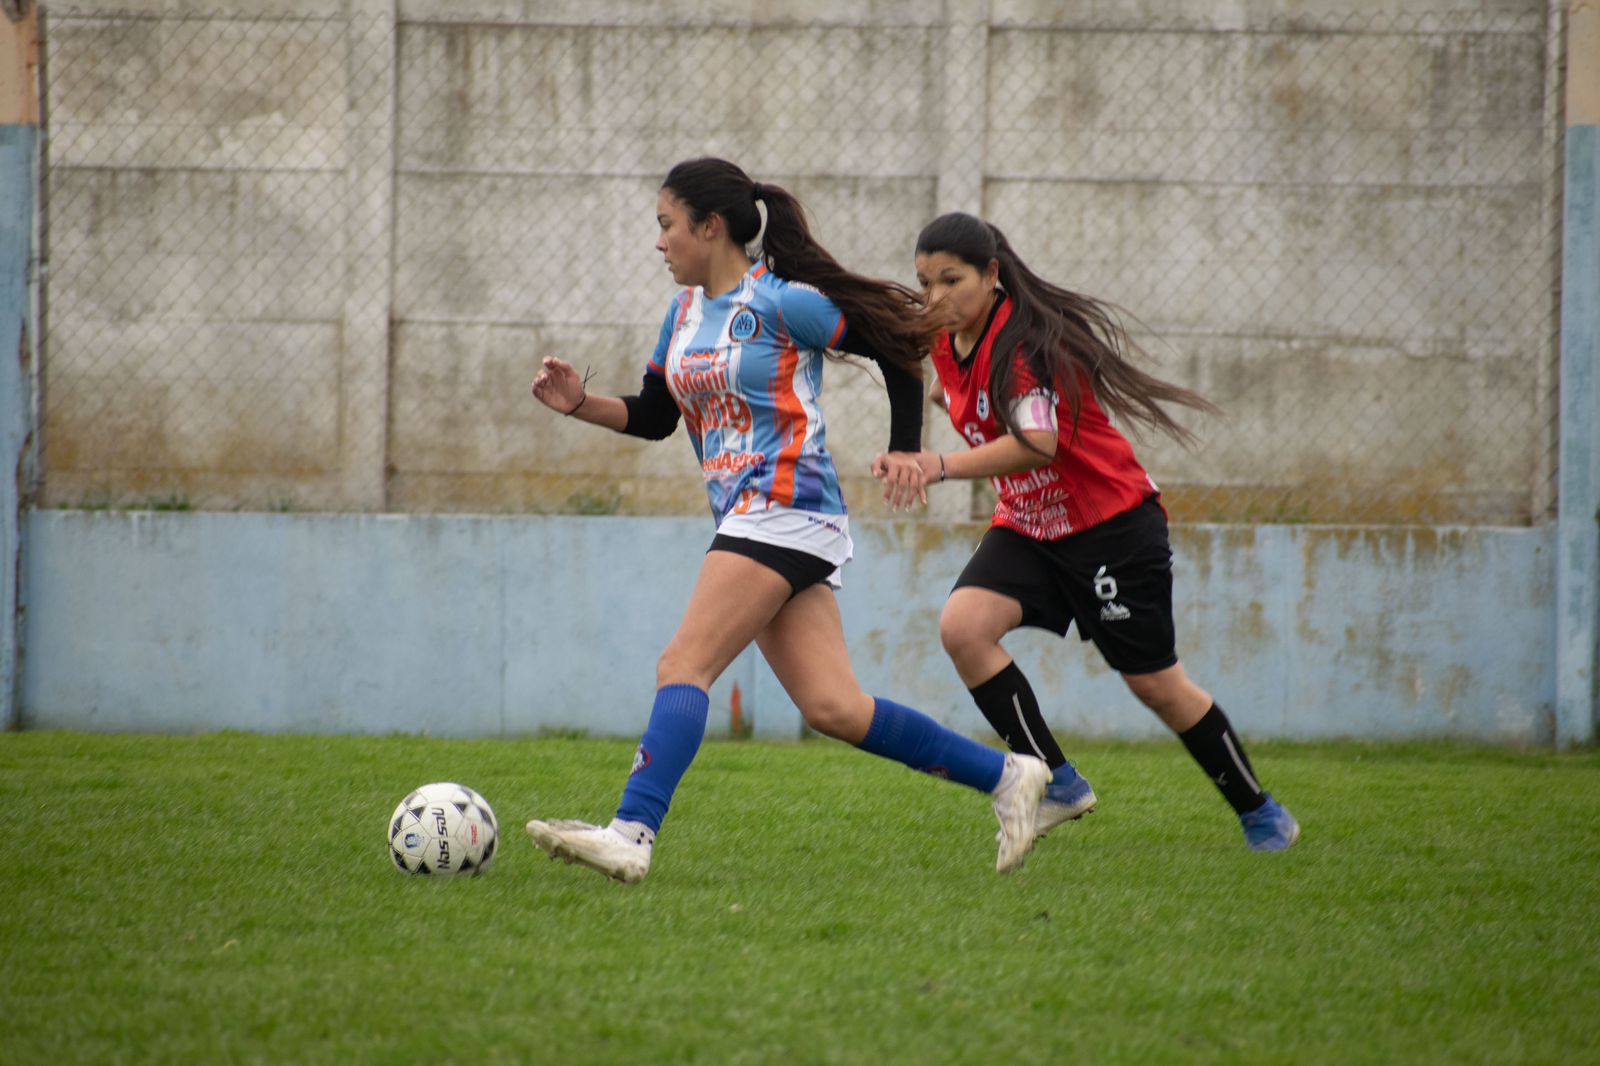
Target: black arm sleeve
(653, 414)
(905, 393)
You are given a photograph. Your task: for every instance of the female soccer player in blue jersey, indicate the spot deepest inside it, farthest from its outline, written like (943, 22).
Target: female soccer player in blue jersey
(739, 361)
(1028, 372)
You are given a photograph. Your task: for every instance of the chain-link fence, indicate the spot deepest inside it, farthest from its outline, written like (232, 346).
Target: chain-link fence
(307, 261)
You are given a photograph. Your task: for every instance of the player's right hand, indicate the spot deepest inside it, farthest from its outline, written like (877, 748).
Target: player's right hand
(558, 386)
(904, 480)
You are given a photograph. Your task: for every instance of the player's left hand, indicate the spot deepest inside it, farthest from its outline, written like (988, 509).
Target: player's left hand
(902, 477)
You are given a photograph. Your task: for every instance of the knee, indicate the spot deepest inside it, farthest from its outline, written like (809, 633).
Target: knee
(675, 668)
(1170, 694)
(841, 716)
(960, 636)
(1146, 689)
(1156, 693)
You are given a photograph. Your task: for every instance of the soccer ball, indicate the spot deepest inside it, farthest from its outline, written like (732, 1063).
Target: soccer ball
(443, 828)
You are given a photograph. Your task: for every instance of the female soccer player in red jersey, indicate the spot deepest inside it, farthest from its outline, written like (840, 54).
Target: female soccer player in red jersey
(1030, 372)
(739, 360)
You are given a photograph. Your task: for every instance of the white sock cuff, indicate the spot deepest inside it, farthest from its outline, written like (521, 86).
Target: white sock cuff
(636, 832)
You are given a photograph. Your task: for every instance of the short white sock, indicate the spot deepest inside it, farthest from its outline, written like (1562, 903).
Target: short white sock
(1008, 774)
(635, 832)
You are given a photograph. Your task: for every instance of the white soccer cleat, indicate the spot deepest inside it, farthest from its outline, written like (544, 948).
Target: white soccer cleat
(598, 847)
(1016, 805)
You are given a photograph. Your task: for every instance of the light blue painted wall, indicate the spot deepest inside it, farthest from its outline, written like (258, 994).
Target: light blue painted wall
(17, 151)
(1577, 608)
(489, 626)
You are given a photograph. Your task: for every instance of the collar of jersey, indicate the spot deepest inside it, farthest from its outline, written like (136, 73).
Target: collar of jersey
(757, 269)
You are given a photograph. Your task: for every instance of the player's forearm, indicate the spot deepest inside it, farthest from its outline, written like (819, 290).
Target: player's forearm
(606, 411)
(997, 458)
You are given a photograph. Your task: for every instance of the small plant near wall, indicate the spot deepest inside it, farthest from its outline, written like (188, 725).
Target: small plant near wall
(167, 503)
(588, 503)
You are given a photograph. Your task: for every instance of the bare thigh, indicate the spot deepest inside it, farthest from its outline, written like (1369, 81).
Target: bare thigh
(734, 599)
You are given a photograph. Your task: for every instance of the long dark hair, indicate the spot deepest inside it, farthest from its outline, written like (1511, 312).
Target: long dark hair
(885, 313)
(1065, 333)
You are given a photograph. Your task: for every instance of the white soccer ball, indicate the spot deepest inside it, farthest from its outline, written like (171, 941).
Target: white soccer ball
(443, 828)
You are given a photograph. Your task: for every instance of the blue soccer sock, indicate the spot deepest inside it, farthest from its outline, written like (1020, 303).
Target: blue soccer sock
(677, 725)
(912, 738)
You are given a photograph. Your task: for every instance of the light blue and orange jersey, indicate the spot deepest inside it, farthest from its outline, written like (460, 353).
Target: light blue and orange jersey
(746, 369)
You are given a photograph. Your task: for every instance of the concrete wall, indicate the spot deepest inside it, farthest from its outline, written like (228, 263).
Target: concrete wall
(472, 625)
(307, 262)
(482, 626)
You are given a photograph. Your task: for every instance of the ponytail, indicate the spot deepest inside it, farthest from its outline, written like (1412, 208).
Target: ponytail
(885, 314)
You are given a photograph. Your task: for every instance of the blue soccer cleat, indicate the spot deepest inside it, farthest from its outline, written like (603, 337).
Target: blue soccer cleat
(1067, 797)
(1270, 827)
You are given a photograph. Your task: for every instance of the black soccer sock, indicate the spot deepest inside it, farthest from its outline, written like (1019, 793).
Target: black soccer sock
(1007, 700)
(1217, 748)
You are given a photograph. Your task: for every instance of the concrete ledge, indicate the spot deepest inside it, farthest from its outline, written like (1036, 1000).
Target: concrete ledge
(487, 626)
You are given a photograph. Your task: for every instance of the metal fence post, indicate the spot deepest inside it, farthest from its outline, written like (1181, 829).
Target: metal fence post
(965, 106)
(962, 167)
(369, 256)
(1578, 516)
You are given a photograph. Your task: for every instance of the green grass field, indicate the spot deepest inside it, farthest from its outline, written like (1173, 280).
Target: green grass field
(229, 898)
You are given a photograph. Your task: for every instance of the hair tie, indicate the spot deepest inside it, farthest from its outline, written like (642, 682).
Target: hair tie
(755, 191)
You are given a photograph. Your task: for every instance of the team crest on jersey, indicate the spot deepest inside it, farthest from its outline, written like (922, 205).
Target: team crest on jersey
(983, 403)
(745, 325)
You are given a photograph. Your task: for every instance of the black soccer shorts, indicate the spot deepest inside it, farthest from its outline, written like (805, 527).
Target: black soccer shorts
(800, 569)
(1114, 579)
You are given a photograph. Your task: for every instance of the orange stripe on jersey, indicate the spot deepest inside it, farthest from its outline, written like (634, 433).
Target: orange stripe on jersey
(838, 332)
(791, 417)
